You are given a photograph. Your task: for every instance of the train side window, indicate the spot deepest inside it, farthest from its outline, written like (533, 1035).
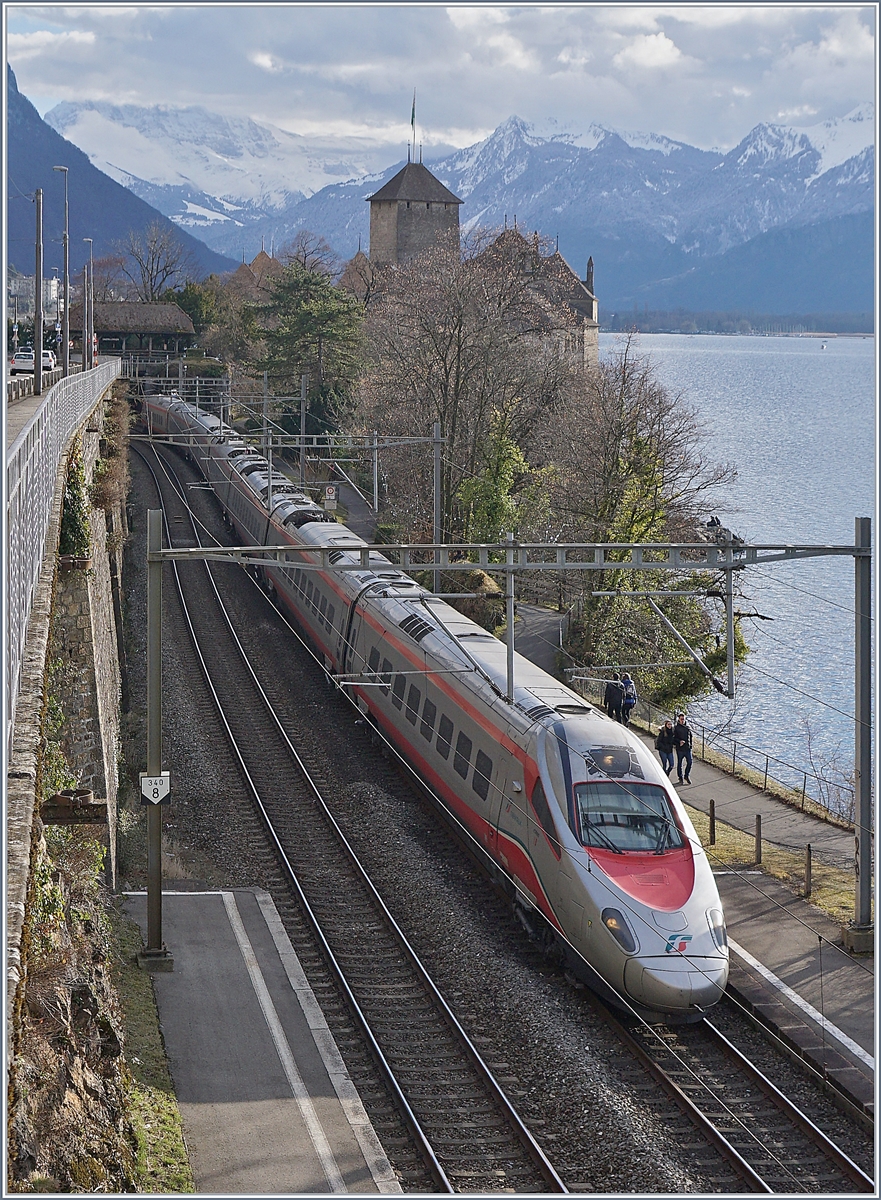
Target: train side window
(308, 591)
(414, 698)
(398, 688)
(483, 769)
(373, 660)
(331, 613)
(444, 736)
(386, 676)
(429, 712)
(462, 757)
(322, 607)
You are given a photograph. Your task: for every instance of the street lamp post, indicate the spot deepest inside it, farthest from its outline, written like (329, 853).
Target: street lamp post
(90, 301)
(38, 296)
(65, 321)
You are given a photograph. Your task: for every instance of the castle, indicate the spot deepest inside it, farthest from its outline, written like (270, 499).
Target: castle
(414, 210)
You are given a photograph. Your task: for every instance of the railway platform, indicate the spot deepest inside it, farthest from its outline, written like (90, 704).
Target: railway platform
(266, 1102)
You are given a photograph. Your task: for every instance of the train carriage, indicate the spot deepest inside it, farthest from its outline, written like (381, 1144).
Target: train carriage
(570, 807)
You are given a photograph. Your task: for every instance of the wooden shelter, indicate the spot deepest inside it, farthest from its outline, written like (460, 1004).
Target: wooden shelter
(127, 326)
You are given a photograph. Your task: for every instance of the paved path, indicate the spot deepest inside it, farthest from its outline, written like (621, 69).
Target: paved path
(266, 1102)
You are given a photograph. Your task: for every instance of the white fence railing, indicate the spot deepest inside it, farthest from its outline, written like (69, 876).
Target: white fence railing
(31, 469)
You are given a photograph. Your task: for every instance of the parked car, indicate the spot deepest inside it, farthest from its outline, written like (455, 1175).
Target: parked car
(22, 363)
(49, 360)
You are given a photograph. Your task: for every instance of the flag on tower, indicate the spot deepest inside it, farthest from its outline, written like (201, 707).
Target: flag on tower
(413, 121)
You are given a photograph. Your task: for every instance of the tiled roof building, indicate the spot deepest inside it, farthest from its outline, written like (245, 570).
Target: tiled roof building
(409, 214)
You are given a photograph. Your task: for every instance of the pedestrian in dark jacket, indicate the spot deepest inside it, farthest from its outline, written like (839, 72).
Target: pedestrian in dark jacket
(614, 697)
(664, 746)
(629, 698)
(682, 742)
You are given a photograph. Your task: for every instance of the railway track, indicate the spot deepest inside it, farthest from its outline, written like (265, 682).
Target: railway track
(763, 1136)
(468, 1132)
(750, 1151)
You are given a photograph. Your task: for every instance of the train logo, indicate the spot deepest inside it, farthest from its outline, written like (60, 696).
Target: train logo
(677, 944)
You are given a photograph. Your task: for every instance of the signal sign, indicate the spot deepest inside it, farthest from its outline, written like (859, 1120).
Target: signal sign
(155, 788)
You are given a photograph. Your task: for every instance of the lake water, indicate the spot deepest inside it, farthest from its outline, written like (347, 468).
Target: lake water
(798, 422)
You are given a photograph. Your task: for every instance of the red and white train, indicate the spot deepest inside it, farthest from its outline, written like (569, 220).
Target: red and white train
(571, 806)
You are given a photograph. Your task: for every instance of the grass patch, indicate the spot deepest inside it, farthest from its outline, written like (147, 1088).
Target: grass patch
(832, 887)
(162, 1163)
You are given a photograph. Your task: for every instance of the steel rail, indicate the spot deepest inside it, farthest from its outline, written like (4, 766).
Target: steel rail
(524, 1136)
(749, 1175)
(844, 1163)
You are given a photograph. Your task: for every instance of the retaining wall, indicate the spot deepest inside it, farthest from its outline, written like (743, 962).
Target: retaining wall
(73, 617)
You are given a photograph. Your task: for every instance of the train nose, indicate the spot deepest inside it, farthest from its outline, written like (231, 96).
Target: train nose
(676, 986)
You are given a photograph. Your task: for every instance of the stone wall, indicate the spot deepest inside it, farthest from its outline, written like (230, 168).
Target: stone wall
(85, 639)
(400, 229)
(78, 613)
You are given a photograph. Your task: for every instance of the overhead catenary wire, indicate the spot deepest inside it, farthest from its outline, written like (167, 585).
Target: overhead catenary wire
(795, 588)
(522, 805)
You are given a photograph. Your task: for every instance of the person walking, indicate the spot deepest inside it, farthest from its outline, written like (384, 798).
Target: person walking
(664, 746)
(629, 698)
(682, 742)
(614, 697)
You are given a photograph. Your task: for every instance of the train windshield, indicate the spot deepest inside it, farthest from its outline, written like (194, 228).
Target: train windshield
(623, 817)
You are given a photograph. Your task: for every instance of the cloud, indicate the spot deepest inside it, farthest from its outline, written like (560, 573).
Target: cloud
(700, 73)
(649, 50)
(571, 56)
(266, 62)
(472, 18)
(31, 45)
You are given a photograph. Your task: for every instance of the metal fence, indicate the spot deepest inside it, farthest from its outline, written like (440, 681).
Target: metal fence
(830, 790)
(31, 469)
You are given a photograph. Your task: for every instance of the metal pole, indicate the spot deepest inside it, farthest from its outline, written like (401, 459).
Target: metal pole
(712, 837)
(154, 727)
(88, 299)
(38, 297)
(438, 532)
(304, 381)
(863, 736)
(15, 324)
(65, 320)
(729, 626)
(808, 880)
(267, 447)
(758, 838)
(682, 642)
(376, 472)
(85, 312)
(509, 611)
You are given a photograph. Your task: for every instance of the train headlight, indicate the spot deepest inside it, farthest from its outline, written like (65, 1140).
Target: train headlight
(619, 929)
(717, 928)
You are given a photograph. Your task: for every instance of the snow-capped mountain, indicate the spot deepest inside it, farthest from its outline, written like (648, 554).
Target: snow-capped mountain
(645, 206)
(201, 169)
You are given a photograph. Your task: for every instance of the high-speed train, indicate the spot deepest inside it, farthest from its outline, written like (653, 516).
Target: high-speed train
(572, 808)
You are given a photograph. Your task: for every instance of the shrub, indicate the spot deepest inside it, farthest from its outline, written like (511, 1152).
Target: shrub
(75, 536)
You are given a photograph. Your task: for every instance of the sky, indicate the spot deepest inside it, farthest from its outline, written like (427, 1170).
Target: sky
(704, 74)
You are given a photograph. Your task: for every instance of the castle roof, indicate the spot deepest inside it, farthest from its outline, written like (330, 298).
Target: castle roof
(415, 182)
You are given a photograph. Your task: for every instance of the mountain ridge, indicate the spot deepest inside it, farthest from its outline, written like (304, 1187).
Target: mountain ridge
(99, 207)
(651, 210)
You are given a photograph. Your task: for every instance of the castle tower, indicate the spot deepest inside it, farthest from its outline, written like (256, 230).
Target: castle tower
(409, 214)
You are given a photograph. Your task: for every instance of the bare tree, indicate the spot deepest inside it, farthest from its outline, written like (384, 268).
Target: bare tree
(154, 260)
(462, 340)
(625, 462)
(109, 278)
(312, 252)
